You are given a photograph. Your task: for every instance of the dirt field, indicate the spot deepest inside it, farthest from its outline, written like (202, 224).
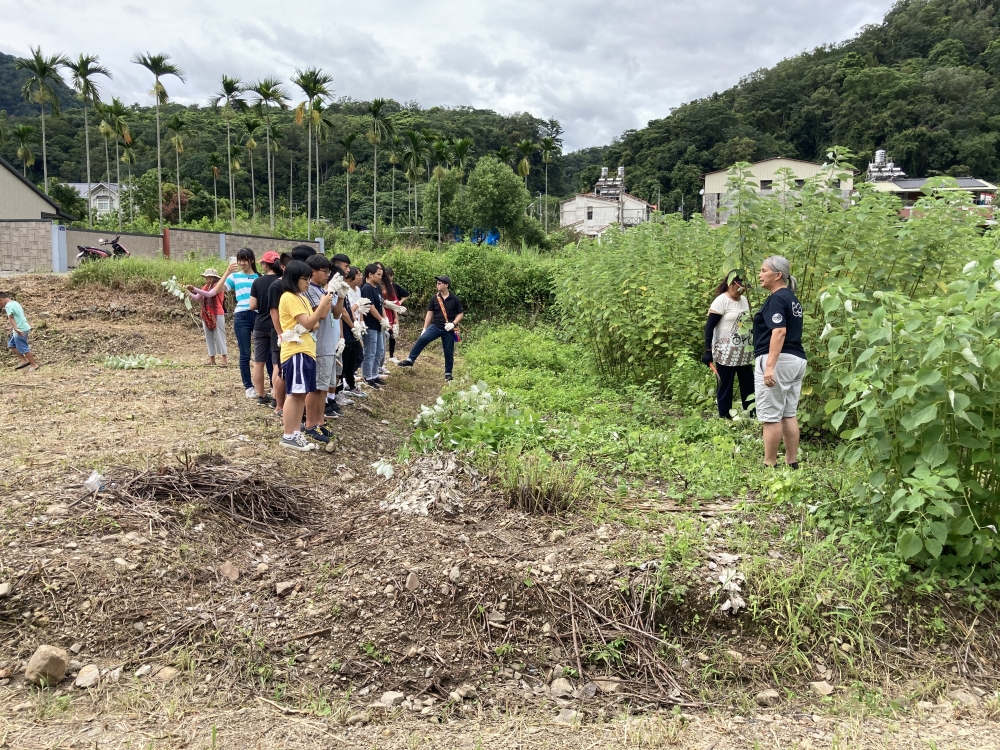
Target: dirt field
(208, 632)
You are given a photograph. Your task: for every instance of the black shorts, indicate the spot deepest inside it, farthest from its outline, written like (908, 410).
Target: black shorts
(265, 342)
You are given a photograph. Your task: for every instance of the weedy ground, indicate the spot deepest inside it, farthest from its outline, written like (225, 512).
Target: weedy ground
(553, 566)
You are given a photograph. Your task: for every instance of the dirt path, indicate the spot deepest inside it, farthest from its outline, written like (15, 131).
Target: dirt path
(198, 622)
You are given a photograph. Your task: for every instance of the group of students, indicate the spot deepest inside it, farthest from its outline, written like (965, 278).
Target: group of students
(310, 324)
(763, 352)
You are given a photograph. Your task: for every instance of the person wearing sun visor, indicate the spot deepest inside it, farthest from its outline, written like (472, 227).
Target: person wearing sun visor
(728, 343)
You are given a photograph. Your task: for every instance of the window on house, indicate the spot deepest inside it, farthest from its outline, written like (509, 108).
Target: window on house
(799, 183)
(836, 184)
(103, 203)
(766, 184)
(590, 214)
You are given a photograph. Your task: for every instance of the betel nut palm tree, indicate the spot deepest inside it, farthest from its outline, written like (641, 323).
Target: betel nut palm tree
(322, 127)
(395, 159)
(251, 125)
(379, 128)
(160, 66)
(527, 148)
(178, 127)
(83, 72)
(24, 138)
(441, 153)
(269, 94)
(314, 83)
(549, 148)
(230, 97)
(43, 72)
(116, 116)
(462, 152)
(413, 156)
(128, 159)
(215, 164)
(349, 164)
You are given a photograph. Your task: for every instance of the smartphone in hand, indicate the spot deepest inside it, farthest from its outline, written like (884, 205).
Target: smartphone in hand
(232, 260)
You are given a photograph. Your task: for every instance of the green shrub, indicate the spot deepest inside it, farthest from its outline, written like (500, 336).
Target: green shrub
(139, 274)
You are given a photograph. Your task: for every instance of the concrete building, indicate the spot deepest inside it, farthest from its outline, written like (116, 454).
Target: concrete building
(888, 178)
(591, 214)
(19, 199)
(714, 208)
(103, 196)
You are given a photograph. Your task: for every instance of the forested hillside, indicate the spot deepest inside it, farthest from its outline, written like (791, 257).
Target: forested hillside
(923, 84)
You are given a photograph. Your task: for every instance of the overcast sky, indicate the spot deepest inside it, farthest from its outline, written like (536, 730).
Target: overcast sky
(598, 66)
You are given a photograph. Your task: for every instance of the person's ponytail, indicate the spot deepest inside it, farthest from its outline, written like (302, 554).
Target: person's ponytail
(793, 284)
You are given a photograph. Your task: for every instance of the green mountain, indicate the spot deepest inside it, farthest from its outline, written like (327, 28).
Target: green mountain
(922, 84)
(11, 81)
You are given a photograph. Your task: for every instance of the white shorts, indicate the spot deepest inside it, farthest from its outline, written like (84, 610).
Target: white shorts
(324, 371)
(780, 401)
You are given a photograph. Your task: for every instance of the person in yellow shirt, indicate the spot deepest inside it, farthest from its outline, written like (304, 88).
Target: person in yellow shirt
(298, 349)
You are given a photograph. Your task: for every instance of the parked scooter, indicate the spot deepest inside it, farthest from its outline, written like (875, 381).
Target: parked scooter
(109, 249)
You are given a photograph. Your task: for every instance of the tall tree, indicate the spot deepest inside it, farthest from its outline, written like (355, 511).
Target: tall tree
(107, 133)
(251, 125)
(395, 158)
(322, 127)
(314, 83)
(128, 159)
(160, 66)
(4, 128)
(413, 156)
(504, 155)
(178, 127)
(43, 72)
(116, 115)
(549, 149)
(215, 164)
(527, 148)
(84, 71)
(270, 94)
(442, 158)
(347, 143)
(24, 138)
(462, 152)
(379, 128)
(230, 96)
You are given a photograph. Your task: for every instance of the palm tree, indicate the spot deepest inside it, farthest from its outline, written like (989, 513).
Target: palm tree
(413, 156)
(395, 157)
(178, 127)
(250, 126)
(128, 159)
(549, 148)
(4, 128)
(349, 164)
(270, 94)
(159, 66)
(42, 73)
(115, 114)
(215, 162)
(314, 84)
(381, 127)
(504, 155)
(442, 155)
(230, 98)
(84, 70)
(235, 161)
(23, 137)
(107, 133)
(322, 126)
(527, 148)
(462, 152)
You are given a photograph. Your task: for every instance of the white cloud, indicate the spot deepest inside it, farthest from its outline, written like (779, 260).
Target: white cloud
(599, 66)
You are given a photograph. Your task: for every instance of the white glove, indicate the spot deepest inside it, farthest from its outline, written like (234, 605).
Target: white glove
(293, 335)
(359, 329)
(337, 285)
(364, 306)
(341, 345)
(449, 326)
(394, 307)
(395, 329)
(384, 323)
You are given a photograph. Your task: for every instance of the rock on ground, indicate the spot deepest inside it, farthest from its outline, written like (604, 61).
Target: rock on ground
(821, 688)
(768, 697)
(88, 677)
(47, 665)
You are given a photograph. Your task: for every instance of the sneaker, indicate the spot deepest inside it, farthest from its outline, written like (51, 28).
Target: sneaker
(296, 443)
(383, 371)
(380, 381)
(266, 401)
(405, 362)
(326, 430)
(342, 399)
(447, 376)
(375, 384)
(313, 433)
(394, 360)
(332, 410)
(251, 392)
(357, 392)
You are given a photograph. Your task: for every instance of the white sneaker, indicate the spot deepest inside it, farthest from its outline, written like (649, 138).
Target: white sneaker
(358, 393)
(251, 392)
(382, 371)
(297, 443)
(394, 360)
(343, 400)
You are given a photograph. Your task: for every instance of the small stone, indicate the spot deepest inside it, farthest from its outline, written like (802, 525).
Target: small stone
(121, 563)
(5, 589)
(768, 698)
(412, 582)
(88, 677)
(390, 591)
(454, 575)
(821, 687)
(560, 686)
(557, 536)
(262, 568)
(229, 571)
(113, 675)
(357, 720)
(588, 691)
(392, 699)
(59, 509)
(76, 648)
(211, 430)
(568, 716)
(144, 670)
(702, 657)
(546, 629)
(166, 674)
(47, 666)
(963, 698)
(284, 588)
(466, 691)
(846, 648)
(330, 448)
(74, 666)
(734, 655)
(138, 627)
(608, 684)
(445, 589)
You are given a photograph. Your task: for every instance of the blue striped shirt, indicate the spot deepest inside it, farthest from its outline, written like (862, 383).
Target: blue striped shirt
(240, 284)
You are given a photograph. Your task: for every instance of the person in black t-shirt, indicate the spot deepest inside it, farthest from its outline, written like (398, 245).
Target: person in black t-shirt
(264, 335)
(444, 313)
(779, 361)
(376, 322)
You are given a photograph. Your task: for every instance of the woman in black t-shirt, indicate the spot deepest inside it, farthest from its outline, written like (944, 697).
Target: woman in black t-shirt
(779, 361)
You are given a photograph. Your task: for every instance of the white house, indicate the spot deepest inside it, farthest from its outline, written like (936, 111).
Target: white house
(20, 199)
(592, 213)
(103, 195)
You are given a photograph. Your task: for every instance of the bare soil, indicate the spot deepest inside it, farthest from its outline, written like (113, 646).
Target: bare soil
(288, 635)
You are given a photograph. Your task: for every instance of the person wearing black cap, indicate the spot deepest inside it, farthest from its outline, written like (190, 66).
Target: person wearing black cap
(444, 313)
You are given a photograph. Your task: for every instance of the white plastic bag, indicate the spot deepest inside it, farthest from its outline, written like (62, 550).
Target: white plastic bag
(94, 483)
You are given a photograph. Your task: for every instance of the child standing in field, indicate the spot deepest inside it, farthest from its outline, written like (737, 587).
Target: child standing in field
(18, 342)
(213, 317)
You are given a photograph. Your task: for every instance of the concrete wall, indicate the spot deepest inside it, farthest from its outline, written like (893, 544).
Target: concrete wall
(25, 246)
(715, 182)
(206, 244)
(139, 245)
(18, 201)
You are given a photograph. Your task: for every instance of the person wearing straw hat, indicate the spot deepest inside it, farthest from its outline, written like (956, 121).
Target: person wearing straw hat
(213, 317)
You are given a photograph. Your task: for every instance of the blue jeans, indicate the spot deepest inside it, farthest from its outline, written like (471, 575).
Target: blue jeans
(447, 343)
(243, 328)
(374, 353)
(19, 343)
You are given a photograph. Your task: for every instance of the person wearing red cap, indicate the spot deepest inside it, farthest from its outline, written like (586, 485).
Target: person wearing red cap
(265, 338)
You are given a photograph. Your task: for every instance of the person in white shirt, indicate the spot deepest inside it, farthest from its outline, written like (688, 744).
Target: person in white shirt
(729, 343)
